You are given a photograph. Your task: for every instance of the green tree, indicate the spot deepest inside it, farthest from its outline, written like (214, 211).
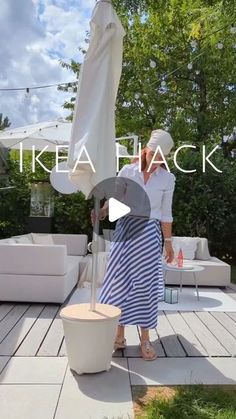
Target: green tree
(175, 73)
(4, 122)
(180, 39)
(179, 74)
(74, 67)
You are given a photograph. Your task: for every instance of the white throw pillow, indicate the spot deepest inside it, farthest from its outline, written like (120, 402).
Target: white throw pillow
(11, 241)
(202, 252)
(8, 241)
(42, 238)
(23, 240)
(187, 244)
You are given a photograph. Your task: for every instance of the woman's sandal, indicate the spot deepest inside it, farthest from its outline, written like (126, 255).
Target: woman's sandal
(146, 350)
(120, 344)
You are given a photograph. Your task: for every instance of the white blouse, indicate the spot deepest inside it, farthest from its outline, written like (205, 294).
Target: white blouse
(159, 189)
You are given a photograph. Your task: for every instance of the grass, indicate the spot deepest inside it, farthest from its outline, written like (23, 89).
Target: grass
(185, 402)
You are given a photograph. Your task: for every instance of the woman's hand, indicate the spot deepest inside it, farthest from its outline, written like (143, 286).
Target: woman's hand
(102, 214)
(169, 252)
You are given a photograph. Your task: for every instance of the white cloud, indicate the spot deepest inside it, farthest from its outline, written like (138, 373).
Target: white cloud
(66, 30)
(34, 35)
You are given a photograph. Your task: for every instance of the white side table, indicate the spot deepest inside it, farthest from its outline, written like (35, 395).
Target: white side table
(193, 270)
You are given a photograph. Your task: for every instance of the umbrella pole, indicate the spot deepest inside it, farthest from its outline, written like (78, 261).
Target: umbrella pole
(95, 255)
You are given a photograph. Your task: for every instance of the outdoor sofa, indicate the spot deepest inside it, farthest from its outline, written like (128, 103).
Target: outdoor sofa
(48, 270)
(45, 272)
(216, 272)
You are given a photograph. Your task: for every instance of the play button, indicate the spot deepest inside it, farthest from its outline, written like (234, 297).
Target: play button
(128, 206)
(117, 210)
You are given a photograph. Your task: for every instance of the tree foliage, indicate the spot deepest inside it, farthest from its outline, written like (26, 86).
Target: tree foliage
(158, 86)
(179, 74)
(4, 122)
(176, 42)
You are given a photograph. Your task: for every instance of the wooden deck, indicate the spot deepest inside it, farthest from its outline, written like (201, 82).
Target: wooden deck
(36, 330)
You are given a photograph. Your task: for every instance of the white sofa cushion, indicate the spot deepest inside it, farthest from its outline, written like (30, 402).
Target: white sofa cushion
(33, 259)
(202, 252)
(76, 243)
(42, 238)
(8, 241)
(22, 240)
(187, 244)
(40, 288)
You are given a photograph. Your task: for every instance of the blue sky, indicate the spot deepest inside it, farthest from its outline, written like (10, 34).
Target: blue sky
(34, 35)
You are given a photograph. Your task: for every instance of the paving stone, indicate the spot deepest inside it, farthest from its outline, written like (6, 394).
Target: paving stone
(28, 401)
(97, 396)
(34, 370)
(171, 371)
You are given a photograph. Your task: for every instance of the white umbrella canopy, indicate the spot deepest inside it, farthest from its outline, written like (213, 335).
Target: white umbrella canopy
(51, 134)
(94, 116)
(40, 135)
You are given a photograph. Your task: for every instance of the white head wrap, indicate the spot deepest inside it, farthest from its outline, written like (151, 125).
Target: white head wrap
(162, 139)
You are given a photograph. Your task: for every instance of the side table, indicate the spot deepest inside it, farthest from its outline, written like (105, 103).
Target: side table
(193, 270)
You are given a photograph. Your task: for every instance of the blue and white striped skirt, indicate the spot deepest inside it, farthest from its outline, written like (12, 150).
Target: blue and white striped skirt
(134, 278)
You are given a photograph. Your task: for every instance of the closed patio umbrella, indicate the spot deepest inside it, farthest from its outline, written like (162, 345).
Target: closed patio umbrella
(94, 121)
(93, 128)
(93, 135)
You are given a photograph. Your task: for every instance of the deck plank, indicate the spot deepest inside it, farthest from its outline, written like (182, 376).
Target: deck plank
(226, 321)
(35, 337)
(185, 334)
(63, 351)
(232, 315)
(17, 334)
(168, 337)
(156, 341)
(37, 330)
(206, 338)
(216, 328)
(5, 309)
(11, 319)
(53, 339)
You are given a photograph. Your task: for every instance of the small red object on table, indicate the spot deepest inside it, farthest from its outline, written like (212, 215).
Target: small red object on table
(180, 259)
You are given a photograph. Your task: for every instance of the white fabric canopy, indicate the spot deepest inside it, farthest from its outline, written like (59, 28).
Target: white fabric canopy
(51, 134)
(40, 135)
(94, 115)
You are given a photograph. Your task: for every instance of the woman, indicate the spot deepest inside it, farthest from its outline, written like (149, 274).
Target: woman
(134, 279)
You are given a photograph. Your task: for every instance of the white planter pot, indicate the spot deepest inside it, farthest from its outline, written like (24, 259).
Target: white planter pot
(90, 336)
